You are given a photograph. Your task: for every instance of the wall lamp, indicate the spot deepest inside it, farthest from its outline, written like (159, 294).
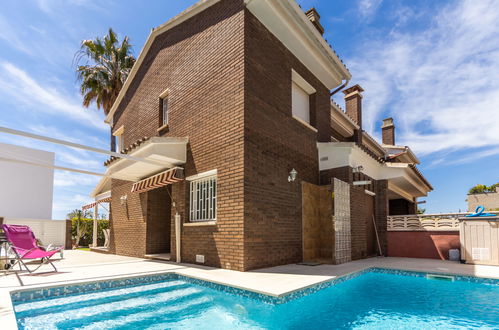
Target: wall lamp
(123, 199)
(357, 169)
(292, 175)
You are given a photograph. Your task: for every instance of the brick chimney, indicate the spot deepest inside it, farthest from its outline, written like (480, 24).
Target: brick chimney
(353, 103)
(315, 18)
(388, 132)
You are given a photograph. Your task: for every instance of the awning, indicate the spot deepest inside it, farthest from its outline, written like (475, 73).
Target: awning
(170, 176)
(158, 153)
(92, 205)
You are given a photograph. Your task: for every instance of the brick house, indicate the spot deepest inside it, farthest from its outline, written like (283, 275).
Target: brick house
(227, 102)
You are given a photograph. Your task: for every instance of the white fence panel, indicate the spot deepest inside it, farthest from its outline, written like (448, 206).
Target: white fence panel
(48, 231)
(426, 222)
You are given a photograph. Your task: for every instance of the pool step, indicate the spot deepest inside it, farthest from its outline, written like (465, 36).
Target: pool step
(77, 314)
(95, 298)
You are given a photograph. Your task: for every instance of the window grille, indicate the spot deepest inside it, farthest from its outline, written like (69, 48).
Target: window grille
(203, 199)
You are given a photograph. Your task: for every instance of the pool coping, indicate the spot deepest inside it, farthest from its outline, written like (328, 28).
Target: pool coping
(8, 318)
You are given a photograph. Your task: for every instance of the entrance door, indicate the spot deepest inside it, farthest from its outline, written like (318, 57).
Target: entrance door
(159, 220)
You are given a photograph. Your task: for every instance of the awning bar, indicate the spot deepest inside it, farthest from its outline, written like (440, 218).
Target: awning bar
(52, 166)
(76, 145)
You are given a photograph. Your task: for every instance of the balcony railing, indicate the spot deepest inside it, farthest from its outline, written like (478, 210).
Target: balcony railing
(425, 222)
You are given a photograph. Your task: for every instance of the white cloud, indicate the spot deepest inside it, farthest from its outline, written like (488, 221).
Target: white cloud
(367, 8)
(441, 84)
(26, 90)
(9, 34)
(74, 180)
(65, 203)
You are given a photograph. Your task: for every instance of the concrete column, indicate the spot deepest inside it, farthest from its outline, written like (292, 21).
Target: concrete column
(178, 235)
(96, 214)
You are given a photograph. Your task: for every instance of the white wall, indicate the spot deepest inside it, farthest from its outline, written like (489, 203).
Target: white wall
(48, 231)
(26, 191)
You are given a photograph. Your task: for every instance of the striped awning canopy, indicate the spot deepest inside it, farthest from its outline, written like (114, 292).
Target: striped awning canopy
(167, 177)
(92, 205)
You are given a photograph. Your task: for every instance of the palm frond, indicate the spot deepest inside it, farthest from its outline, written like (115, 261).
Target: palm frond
(107, 64)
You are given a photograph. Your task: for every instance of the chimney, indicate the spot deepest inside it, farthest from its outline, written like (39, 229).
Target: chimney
(353, 103)
(315, 18)
(388, 132)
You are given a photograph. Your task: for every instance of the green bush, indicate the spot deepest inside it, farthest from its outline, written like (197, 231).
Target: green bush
(481, 188)
(88, 226)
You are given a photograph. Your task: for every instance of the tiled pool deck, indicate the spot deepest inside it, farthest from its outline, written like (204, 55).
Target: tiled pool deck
(84, 266)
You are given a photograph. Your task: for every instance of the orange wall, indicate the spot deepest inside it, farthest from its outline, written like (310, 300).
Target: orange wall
(422, 244)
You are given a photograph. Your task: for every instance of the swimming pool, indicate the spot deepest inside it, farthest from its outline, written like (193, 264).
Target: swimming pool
(370, 299)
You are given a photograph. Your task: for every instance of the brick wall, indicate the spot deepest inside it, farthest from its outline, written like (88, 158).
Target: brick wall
(128, 223)
(274, 144)
(201, 62)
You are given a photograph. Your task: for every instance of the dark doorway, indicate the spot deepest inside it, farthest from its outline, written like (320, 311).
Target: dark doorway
(158, 218)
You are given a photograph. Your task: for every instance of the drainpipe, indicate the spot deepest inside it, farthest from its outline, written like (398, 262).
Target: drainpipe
(339, 88)
(178, 223)
(94, 231)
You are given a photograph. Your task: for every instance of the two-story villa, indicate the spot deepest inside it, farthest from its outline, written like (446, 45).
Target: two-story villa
(240, 159)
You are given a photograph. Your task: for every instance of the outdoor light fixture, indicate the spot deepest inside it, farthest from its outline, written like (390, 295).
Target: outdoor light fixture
(292, 175)
(358, 169)
(123, 199)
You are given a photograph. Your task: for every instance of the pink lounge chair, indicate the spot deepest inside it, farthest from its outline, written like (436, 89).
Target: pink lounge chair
(23, 243)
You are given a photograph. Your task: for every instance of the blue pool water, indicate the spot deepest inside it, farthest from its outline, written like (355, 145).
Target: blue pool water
(370, 301)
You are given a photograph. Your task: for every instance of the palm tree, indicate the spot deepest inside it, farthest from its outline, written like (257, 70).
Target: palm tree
(108, 64)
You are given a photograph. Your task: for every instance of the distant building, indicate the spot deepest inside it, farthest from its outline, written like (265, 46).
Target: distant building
(26, 191)
(489, 200)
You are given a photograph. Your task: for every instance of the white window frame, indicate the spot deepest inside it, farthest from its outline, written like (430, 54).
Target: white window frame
(203, 197)
(165, 114)
(119, 138)
(299, 84)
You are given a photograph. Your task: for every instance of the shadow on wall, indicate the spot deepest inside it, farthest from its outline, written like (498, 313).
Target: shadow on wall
(422, 244)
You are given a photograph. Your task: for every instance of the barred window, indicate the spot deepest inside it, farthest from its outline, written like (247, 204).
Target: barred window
(203, 199)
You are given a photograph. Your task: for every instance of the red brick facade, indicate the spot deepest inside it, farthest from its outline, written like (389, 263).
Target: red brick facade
(229, 82)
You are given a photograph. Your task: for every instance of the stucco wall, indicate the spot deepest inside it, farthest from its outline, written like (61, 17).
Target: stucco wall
(422, 244)
(26, 191)
(489, 200)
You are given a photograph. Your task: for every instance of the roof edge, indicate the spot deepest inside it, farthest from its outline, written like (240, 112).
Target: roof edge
(172, 22)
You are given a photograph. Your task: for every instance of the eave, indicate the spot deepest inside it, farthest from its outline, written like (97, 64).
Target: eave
(341, 123)
(161, 153)
(403, 179)
(401, 151)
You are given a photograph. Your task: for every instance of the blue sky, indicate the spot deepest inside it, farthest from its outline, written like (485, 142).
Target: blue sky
(432, 65)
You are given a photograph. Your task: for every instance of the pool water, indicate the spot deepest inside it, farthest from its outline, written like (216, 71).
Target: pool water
(370, 301)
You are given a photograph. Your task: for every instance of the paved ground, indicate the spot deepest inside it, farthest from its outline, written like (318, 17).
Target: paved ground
(78, 266)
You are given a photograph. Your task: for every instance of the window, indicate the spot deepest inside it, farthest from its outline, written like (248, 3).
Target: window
(301, 103)
(163, 108)
(203, 198)
(300, 97)
(120, 144)
(164, 111)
